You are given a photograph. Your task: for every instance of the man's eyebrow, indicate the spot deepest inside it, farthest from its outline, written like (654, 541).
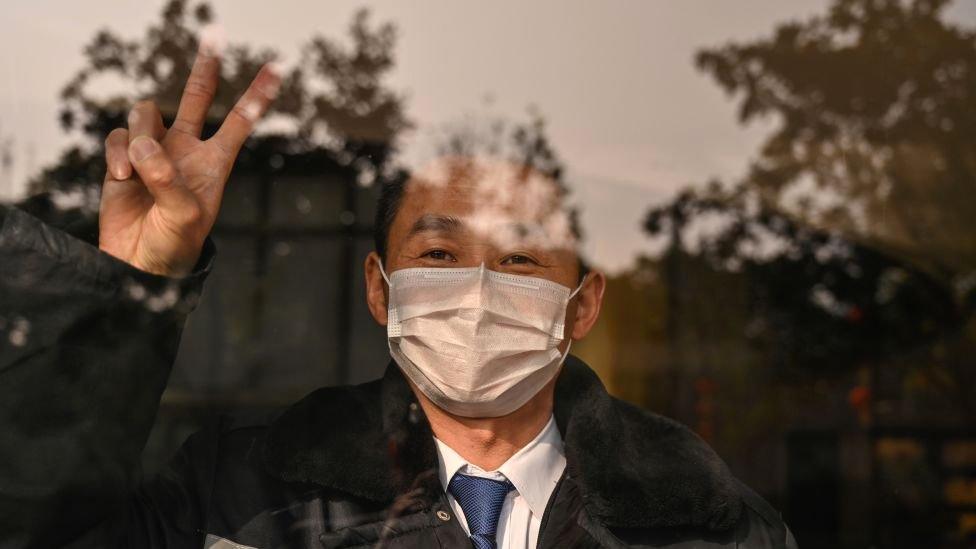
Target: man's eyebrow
(436, 223)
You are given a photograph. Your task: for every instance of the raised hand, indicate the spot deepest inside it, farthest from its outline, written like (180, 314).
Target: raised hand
(163, 187)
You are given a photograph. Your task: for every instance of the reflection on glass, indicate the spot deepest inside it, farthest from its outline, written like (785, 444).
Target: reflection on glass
(807, 311)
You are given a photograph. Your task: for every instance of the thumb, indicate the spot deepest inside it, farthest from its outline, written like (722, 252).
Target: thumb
(161, 179)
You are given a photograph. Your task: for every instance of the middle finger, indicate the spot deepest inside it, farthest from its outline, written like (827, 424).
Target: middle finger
(145, 119)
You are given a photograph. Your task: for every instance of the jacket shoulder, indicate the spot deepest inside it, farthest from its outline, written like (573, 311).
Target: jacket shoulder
(759, 524)
(320, 408)
(235, 442)
(230, 466)
(762, 524)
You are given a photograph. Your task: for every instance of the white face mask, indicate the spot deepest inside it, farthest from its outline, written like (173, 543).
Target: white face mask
(477, 343)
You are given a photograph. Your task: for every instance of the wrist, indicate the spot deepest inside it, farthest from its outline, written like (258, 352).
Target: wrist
(178, 268)
(150, 263)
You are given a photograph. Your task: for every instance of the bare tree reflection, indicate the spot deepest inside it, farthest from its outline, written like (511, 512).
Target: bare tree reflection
(854, 237)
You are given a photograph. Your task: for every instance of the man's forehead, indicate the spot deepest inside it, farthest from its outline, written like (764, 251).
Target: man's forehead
(493, 199)
(447, 223)
(470, 186)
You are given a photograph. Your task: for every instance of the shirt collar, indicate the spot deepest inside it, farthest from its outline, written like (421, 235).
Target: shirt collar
(534, 470)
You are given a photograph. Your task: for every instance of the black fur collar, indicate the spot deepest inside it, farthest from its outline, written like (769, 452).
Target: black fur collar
(636, 469)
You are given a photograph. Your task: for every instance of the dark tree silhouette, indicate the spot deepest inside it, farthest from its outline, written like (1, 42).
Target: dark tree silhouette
(876, 126)
(855, 223)
(522, 142)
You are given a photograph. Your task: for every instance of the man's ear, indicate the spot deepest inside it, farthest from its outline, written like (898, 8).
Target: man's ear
(589, 300)
(375, 288)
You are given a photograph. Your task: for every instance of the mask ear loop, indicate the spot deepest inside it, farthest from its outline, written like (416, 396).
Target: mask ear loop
(569, 345)
(391, 317)
(571, 296)
(383, 272)
(578, 288)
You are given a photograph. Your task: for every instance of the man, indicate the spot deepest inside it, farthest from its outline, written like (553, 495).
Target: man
(482, 432)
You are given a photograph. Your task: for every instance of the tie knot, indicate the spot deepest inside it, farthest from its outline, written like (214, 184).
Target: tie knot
(481, 499)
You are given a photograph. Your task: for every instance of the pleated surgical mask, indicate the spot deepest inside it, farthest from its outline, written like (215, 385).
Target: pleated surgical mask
(476, 342)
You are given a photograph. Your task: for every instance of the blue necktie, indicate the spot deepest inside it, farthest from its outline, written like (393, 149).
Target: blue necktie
(481, 500)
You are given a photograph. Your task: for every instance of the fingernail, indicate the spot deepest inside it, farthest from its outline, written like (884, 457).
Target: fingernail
(119, 171)
(142, 147)
(250, 110)
(270, 87)
(212, 40)
(276, 68)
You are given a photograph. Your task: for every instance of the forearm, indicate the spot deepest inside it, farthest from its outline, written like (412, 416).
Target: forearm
(86, 346)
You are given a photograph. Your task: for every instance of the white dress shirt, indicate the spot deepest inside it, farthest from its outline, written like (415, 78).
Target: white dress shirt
(534, 471)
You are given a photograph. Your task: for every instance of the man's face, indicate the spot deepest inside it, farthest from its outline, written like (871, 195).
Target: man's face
(464, 212)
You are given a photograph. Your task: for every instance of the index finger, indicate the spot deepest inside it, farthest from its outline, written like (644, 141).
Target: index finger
(198, 93)
(248, 110)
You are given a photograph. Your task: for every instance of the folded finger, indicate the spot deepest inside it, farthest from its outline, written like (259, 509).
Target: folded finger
(117, 154)
(249, 109)
(159, 175)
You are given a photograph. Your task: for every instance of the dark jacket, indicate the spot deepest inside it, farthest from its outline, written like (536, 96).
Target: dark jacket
(87, 344)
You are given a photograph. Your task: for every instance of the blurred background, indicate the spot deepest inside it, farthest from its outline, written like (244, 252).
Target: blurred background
(782, 193)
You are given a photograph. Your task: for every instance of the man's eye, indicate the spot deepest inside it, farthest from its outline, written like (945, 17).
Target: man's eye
(439, 255)
(518, 259)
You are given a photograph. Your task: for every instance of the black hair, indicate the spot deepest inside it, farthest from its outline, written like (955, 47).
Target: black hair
(388, 204)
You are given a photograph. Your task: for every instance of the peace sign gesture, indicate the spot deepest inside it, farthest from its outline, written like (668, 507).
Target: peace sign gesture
(163, 187)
